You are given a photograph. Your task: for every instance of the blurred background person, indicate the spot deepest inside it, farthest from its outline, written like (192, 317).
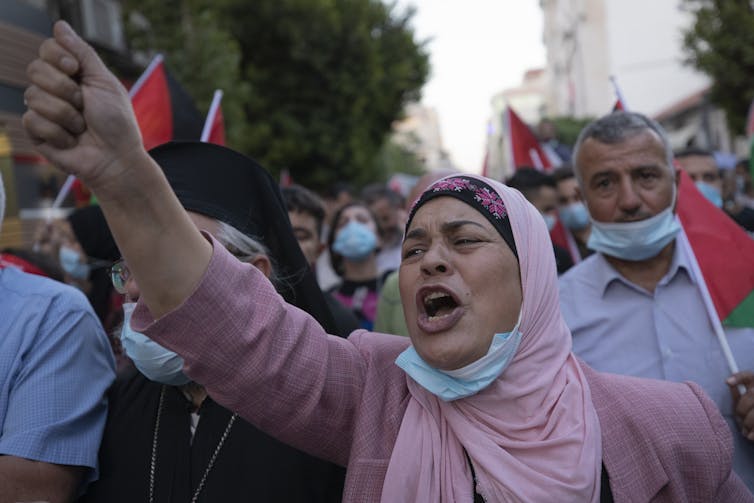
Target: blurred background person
(353, 245)
(703, 170)
(307, 213)
(340, 194)
(572, 213)
(387, 206)
(540, 190)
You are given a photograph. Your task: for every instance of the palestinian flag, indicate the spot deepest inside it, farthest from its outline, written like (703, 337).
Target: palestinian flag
(724, 253)
(163, 109)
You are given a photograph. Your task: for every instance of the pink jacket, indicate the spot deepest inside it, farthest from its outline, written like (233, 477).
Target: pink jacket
(343, 399)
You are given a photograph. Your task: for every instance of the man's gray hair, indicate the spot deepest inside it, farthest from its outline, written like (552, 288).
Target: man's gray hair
(617, 127)
(244, 247)
(2, 201)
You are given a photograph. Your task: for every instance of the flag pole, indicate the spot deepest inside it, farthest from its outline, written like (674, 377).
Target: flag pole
(144, 76)
(207, 130)
(717, 326)
(618, 93)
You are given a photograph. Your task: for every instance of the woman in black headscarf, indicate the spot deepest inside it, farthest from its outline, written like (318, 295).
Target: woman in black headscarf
(165, 439)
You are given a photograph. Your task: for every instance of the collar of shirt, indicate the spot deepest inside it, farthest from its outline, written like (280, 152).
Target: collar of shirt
(605, 274)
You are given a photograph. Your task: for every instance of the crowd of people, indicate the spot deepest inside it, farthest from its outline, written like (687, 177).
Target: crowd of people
(205, 335)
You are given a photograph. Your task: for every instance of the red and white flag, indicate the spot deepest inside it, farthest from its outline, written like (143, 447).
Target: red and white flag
(524, 149)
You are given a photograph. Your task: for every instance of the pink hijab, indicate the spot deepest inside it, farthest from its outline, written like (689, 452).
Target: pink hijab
(533, 434)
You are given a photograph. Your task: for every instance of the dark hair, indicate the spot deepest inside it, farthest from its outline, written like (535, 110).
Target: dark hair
(693, 152)
(336, 260)
(564, 172)
(338, 188)
(528, 181)
(376, 191)
(615, 128)
(302, 200)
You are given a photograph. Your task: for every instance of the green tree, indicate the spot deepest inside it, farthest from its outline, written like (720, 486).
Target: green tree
(568, 128)
(322, 80)
(720, 43)
(394, 158)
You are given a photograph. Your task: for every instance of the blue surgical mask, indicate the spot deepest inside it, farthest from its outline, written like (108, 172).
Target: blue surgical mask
(154, 361)
(355, 241)
(574, 216)
(712, 193)
(635, 240)
(449, 385)
(70, 261)
(549, 221)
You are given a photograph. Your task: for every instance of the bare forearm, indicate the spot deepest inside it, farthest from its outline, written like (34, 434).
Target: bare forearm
(26, 480)
(164, 250)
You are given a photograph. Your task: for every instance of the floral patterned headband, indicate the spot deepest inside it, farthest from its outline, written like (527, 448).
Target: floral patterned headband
(476, 194)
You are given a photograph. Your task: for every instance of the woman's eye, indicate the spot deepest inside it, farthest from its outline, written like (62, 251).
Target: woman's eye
(465, 241)
(411, 252)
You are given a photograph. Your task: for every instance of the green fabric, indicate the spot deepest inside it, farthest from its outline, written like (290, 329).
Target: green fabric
(743, 315)
(390, 319)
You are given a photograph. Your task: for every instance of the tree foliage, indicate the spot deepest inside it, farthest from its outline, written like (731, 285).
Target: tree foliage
(569, 128)
(310, 85)
(720, 43)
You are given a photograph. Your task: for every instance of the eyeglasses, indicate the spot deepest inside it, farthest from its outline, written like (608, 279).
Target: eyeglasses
(119, 275)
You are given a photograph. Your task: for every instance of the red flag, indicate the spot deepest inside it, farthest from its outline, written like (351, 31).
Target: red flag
(163, 109)
(150, 99)
(214, 126)
(525, 150)
(724, 253)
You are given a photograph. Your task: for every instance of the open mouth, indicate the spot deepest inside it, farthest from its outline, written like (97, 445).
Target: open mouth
(438, 304)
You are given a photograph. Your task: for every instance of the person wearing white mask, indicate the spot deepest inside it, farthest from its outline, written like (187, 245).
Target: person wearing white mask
(572, 213)
(166, 440)
(633, 307)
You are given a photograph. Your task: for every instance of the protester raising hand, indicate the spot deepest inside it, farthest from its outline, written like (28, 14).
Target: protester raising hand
(79, 116)
(81, 120)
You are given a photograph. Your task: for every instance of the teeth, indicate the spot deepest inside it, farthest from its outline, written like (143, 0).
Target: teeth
(433, 318)
(435, 295)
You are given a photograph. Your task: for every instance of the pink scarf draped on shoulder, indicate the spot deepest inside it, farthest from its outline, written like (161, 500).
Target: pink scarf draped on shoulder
(533, 434)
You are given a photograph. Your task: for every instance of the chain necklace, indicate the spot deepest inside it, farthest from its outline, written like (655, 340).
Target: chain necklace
(211, 463)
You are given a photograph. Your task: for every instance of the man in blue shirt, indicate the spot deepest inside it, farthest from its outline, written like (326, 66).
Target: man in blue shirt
(634, 307)
(55, 366)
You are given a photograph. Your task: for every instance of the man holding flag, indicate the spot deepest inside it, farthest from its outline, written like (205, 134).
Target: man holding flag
(638, 306)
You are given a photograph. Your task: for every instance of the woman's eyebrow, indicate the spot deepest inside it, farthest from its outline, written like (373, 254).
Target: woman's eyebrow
(454, 225)
(445, 228)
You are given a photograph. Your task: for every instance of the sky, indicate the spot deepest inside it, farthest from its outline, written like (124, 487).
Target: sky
(477, 48)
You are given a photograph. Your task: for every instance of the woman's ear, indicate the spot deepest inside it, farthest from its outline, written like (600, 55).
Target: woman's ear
(262, 262)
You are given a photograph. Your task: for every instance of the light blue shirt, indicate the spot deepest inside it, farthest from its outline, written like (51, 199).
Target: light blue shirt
(55, 367)
(621, 328)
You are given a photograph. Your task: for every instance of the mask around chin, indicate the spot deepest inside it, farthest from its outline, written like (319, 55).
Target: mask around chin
(449, 385)
(156, 362)
(635, 241)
